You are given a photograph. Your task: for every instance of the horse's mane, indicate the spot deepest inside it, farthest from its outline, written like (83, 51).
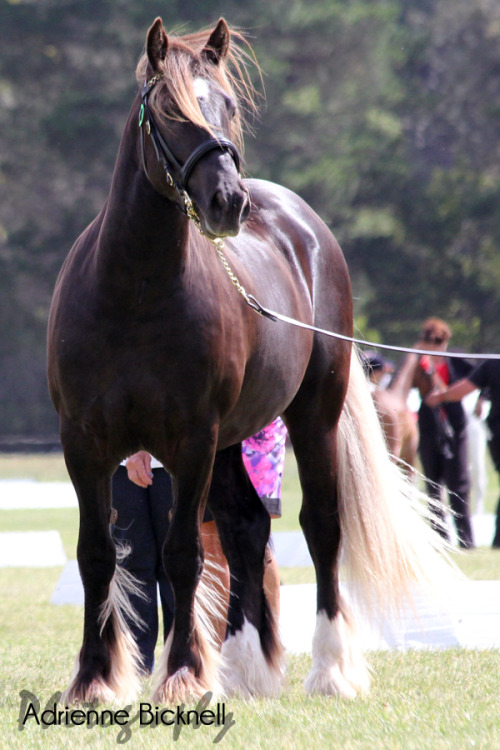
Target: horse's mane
(184, 61)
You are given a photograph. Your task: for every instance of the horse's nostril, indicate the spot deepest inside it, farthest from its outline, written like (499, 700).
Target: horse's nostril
(231, 208)
(218, 205)
(227, 210)
(245, 209)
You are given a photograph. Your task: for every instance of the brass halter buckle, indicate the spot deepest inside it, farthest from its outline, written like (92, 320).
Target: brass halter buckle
(191, 211)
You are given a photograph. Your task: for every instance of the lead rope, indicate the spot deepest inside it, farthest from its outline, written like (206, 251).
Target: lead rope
(218, 243)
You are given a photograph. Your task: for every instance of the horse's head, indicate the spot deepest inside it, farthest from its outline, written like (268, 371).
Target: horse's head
(190, 112)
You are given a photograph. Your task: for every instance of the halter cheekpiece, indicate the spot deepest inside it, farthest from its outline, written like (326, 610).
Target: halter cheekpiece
(177, 174)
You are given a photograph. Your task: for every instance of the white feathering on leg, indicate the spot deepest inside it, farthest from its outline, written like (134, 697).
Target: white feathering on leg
(209, 606)
(338, 665)
(123, 683)
(246, 670)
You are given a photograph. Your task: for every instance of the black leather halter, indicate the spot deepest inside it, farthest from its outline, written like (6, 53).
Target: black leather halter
(177, 174)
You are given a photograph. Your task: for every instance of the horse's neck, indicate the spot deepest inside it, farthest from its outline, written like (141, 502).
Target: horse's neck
(402, 381)
(140, 227)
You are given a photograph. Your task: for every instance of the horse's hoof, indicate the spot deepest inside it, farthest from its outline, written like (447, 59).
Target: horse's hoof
(96, 691)
(332, 681)
(329, 682)
(339, 667)
(245, 670)
(181, 687)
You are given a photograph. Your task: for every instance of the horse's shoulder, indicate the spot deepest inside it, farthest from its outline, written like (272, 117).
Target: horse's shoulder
(279, 209)
(279, 213)
(265, 193)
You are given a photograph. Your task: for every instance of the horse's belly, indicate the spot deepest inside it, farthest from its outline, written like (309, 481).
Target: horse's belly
(271, 382)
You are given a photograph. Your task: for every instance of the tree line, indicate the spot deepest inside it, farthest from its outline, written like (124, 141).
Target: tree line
(382, 114)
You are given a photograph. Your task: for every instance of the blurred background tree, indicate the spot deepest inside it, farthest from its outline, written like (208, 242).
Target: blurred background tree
(382, 114)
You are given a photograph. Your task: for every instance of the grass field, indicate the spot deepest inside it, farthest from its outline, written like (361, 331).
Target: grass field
(419, 699)
(443, 699)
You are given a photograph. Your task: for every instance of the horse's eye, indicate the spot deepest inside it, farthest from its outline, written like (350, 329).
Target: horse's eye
(230, 106)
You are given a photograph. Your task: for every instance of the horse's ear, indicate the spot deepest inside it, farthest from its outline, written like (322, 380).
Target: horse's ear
(157, 45)
(217, 46)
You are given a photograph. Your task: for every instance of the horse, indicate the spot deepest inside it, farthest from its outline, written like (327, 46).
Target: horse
(398, 423)
(153, 345)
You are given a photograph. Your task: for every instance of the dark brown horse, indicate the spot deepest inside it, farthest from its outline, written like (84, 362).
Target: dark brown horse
(151, 347)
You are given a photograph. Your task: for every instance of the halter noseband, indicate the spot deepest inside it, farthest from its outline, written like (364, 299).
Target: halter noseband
(164, 154)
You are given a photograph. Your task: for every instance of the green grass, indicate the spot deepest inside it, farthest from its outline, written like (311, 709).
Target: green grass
(446, 699)
(63, 520)
(43, 467)
(481, 564)
(419, 699)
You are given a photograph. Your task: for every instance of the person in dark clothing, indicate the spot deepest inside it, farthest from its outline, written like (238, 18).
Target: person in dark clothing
(141, 525)
(486, 377)
(142, 502)
(443, 435)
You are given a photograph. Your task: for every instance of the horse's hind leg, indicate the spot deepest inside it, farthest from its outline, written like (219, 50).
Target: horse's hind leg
(338, 666)
(252, 653)
(108, 665)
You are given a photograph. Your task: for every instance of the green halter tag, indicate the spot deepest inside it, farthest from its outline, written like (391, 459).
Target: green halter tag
(141, 115)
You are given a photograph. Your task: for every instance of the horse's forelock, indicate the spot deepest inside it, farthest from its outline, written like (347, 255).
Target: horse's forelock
(184, 59)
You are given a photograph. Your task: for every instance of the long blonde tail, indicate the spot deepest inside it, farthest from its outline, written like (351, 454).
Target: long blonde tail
(389, 548)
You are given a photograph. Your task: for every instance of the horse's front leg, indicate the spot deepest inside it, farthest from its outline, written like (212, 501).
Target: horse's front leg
(252, 652)
(108, 665)
(188, 666)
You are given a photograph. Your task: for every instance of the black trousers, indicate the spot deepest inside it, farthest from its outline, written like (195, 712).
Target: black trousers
(142, 523)
(450, 470)
(494, 446)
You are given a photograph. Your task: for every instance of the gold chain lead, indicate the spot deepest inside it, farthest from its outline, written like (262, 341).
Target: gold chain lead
(218, 242)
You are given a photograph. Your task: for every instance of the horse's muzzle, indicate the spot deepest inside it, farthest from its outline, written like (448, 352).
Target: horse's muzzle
(227, 211)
